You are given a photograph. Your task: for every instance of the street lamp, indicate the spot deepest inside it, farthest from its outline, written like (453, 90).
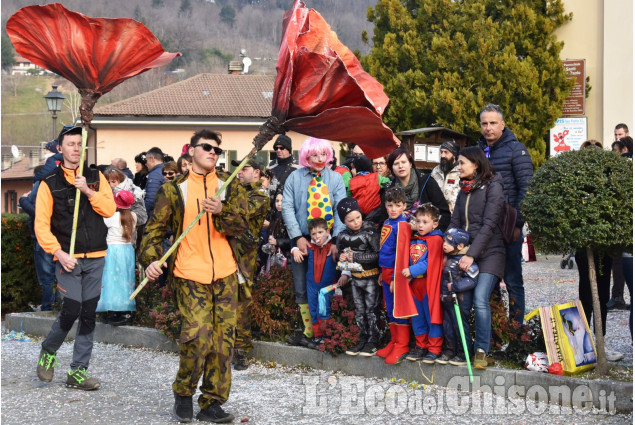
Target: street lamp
(54, 101)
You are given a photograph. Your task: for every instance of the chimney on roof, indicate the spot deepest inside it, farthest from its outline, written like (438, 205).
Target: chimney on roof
(34, 158)
(235, 67)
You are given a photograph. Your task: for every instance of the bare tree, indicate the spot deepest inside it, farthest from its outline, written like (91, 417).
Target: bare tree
(72, 102)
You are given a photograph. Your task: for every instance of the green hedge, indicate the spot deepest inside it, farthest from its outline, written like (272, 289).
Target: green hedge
(19, 281)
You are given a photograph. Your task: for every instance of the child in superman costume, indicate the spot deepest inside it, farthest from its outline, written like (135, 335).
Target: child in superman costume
(418, 283)
(395, 202)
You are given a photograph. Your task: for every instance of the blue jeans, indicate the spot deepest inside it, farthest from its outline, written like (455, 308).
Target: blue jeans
(299, 280)
(513, 278)
(627, 266)
(482, 312)
(45, 271)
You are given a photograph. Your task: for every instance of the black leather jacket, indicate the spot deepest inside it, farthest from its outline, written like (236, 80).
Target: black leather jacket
(364, 243)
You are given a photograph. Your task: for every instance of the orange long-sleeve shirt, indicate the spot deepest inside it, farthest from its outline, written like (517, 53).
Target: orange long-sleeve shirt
(204, 255)
(102, 202)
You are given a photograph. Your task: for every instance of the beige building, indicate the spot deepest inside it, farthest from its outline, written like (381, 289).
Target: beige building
(234, 105)
(601, 33)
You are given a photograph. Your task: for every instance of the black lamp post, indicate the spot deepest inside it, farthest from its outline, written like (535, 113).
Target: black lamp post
(54, 101)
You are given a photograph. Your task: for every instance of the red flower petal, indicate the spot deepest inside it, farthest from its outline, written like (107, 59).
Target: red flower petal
(95, 54)
(322, 90)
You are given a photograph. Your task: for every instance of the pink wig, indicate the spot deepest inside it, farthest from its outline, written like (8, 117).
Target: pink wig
(312, 146)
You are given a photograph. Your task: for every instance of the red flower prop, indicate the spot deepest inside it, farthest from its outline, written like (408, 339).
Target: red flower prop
(95, 54)
(322, 90)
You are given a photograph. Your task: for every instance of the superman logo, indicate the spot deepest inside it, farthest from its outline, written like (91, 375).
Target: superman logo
(416, 252)
(385, 232)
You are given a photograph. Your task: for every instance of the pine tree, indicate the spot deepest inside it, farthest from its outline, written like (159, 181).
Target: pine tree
(441, 61)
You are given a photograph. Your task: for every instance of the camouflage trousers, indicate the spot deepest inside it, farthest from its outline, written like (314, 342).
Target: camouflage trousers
(208, 314)
(243, 325)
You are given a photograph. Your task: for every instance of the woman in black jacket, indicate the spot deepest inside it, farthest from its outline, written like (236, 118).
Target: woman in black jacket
(478, 209)
(419, 187)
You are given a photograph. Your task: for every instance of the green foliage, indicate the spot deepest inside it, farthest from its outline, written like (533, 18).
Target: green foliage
(581, 199)
(212, 53)
(19, 281)
(273, 312)
(228, 15)
(7, 52)
(441, 61)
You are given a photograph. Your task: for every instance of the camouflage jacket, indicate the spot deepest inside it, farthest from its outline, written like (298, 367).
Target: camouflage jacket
(241, 221)
(167, 216)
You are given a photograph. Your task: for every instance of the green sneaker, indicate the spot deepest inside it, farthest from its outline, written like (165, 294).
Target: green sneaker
(79, 379)
(480, 359)
(46, 365)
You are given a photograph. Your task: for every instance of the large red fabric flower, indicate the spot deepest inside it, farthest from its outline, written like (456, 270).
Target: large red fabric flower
(95, 54)
(321, 89)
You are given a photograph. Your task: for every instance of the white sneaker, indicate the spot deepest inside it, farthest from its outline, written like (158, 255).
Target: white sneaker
(613, 356)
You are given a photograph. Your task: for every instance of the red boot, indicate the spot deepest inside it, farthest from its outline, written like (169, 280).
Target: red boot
(388, 348)
(401, 347)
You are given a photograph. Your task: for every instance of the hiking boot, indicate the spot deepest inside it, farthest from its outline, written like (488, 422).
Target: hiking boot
(369, 350)
(615, 303)
(431, 358)
(355, 350)
(120, 318)
(214, 413)
(316, 342)
(458, 360)
(444, 358)
(480, 359)
(183, 409)
(416, 354)
(240, 361)
(299, 340)
(80, 380)
(46, 365)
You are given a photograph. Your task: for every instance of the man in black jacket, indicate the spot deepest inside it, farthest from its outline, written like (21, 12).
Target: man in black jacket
(283, 165)
(512, 161)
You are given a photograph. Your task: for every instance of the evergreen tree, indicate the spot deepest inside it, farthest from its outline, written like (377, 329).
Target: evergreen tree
(8, 53)
(186, 8)
(228, 15)
(441, 61)
(157, 4)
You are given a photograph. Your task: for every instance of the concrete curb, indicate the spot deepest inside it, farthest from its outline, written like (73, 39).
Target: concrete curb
(561, 390)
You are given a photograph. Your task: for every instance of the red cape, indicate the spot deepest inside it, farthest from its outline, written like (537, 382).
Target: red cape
(404, 305)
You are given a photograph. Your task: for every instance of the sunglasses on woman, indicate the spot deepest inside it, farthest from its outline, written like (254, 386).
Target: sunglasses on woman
(168, 173)
(208, 148)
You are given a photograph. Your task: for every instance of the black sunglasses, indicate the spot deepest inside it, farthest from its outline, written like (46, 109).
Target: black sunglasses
(279, 148)
(208, 148)
(168, 173)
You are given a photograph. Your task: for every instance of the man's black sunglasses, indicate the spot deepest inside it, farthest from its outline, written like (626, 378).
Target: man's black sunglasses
(208, 148)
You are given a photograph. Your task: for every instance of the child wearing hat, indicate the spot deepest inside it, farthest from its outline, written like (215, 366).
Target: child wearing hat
(455, 245)
(118, 280)
(360, 239)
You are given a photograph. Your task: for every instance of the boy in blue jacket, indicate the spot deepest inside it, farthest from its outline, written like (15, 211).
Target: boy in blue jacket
(455, 245)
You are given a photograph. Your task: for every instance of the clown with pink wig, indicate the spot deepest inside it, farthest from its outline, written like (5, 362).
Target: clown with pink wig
(310, 192)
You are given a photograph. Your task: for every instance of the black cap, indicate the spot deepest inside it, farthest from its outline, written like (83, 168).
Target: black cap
(362, 163)
(451, 146)
(52, 146)
(284, 141)
(69, 129)
(346, 206)
(253, 162)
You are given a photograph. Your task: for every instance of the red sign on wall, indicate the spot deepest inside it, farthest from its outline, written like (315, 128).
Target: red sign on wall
(574, 104)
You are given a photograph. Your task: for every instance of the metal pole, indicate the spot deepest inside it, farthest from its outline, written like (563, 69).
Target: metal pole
(54, 125)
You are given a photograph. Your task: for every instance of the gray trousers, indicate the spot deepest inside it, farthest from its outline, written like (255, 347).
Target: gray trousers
(80, 290)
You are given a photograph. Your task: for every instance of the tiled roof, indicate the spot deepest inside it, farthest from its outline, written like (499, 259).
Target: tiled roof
(208, 95)
(19, 170)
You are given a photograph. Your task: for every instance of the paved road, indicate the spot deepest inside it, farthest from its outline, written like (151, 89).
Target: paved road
(136, 389)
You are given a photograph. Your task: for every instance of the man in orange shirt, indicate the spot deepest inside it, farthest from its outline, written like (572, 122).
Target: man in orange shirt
(203, 276)
(79, 276)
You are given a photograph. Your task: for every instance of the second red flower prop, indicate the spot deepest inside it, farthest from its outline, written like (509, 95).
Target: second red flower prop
(321, 89)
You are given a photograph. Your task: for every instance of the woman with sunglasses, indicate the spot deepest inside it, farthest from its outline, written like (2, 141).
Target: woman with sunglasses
(170, 170)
